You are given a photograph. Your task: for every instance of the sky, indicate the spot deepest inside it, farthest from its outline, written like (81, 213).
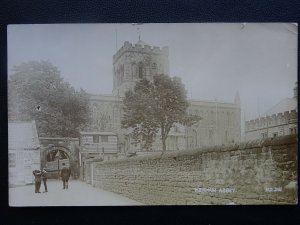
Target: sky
(214, 60)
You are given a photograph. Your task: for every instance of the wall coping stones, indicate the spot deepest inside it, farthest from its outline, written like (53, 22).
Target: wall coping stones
(281, 140)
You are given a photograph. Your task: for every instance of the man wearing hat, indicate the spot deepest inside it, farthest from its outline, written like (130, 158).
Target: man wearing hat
(44, 178)
(65, 175)
(37, 180)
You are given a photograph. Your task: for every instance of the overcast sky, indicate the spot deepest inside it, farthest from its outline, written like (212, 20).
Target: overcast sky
(213, 60)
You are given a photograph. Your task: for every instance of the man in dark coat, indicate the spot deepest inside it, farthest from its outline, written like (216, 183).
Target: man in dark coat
(65, 175)
(44, 178)
(37, 180)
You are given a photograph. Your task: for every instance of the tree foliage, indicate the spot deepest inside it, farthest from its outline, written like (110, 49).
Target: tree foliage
(36, 91)
(138, 114)
(156, 106)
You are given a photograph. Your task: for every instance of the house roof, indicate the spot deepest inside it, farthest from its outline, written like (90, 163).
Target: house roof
(22, 135)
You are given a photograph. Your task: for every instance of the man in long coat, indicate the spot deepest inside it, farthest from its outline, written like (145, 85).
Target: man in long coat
(44, 178)
(37, 180)
(65, 175)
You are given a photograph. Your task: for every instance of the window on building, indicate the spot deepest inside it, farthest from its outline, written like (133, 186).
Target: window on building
(86, 140)
(154, 68)
(95, 139)
(134, 70)
(211, 137)
(275, 134)
(211, 118)
(264, 135)
(141, 75)
(228, 119)
(11, 159)
(104, 138)
(226, 136)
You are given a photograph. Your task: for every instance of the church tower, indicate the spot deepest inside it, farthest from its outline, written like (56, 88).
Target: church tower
(132, 63)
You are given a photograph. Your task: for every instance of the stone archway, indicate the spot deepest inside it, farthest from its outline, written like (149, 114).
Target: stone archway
(68, 149)
(56, 158)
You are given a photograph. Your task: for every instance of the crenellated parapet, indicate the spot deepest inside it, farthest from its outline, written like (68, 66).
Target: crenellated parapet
(138, 48)
(273, 120)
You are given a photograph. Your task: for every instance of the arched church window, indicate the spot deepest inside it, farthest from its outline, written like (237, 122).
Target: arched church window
(195, 138)
(141, 70)
(161, 69)
(121, 72)
(154, 68)
(118, 78)
(211, 137)
(134, 70)
(211, 117)
(228, 119)
(232, 119)
(122, 77)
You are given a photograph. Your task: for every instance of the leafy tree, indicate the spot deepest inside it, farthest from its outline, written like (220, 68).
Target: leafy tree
(156, 106)
(138, 114)
(36, 91)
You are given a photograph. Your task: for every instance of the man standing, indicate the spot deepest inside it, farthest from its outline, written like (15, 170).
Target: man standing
(65, 175)
(37, 179)
(44, 178)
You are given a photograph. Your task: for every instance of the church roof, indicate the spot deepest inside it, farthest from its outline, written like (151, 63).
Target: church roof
(286, 104)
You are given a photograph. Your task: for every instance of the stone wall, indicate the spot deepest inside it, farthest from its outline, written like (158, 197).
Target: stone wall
(257, 172)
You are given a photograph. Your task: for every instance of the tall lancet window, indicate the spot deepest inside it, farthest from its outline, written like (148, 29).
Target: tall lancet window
(122, 72)
(141, 70)
(154, 69)
(134, 70)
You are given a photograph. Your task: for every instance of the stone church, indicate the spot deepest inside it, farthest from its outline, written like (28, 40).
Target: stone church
(220, 124)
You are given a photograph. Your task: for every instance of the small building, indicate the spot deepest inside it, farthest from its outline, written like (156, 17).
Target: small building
(94, 144)
(23, 152)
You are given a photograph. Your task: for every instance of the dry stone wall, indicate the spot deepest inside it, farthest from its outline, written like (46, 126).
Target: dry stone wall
(257, 172)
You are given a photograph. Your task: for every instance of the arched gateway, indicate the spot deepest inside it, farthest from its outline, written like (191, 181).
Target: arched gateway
(57, 153)
(57, 158)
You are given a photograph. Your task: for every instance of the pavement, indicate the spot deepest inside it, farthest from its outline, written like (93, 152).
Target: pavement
(78, 194)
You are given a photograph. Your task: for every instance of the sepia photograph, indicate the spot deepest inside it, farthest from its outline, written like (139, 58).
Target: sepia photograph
(140, 114)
